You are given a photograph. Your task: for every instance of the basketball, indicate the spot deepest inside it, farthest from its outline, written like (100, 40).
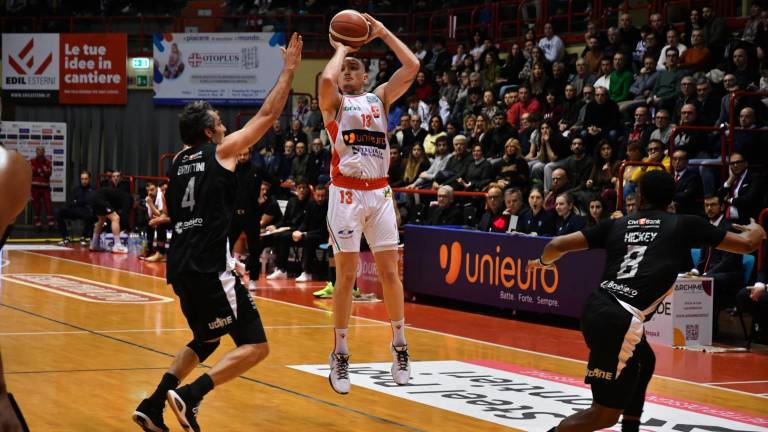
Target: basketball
(350, 28)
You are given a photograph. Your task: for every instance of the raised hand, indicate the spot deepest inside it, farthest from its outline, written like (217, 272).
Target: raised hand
(377, 28)
(292, 54)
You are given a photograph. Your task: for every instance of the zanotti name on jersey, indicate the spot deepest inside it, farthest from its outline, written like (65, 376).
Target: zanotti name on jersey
(366, 142)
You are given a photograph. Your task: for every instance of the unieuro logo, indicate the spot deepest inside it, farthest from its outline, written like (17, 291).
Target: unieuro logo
(495, 269)
(24, 62)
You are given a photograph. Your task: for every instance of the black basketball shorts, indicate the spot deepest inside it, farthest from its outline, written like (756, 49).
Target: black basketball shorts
(101, 207)
(617, 347)
(216, 304)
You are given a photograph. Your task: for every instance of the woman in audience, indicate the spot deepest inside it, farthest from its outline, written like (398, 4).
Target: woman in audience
(566, 221)
(436, 130)
(491, 70)
(554, 151)
(415, 164)
(603, 179)
(512, 169)
(458, 59)
(489, 105)
(552, 108)
(597, 212)
(479, 172)
(479, 135)
(469, 125)
(422, 87)
(655, 154)
(537, 82)
(535, 220)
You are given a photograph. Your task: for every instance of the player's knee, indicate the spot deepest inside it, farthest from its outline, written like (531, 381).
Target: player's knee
(389, 277)
(257, 352)
(604, 417)
(203, 349)
(346, 278)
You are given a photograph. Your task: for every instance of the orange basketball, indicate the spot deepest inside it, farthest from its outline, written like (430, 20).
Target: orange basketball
(350, 28)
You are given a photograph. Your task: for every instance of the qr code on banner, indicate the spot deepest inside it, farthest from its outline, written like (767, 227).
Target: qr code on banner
(691, 332)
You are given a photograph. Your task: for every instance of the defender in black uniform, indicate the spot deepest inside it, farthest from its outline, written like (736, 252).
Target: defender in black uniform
(644, 253)
(109, 203)
(200, 201)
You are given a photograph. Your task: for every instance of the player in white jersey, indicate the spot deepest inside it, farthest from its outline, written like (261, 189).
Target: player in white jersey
(359, 197)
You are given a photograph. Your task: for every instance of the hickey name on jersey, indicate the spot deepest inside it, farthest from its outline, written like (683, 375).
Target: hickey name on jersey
(639, 237)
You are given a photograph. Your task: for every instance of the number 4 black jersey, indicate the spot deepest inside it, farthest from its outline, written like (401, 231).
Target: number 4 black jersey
(645, 250)
(200, 201)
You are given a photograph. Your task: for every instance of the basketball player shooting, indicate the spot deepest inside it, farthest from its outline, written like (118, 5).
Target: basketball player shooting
(359, 197)
(15, 181)
(644, 251)
(201, 195)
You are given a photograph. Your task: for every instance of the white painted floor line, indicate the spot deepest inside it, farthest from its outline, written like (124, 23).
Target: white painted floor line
(737, 382)
(725, 389)
(160, 330)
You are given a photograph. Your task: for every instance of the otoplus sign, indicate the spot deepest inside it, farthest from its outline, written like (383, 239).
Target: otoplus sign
(195, 59)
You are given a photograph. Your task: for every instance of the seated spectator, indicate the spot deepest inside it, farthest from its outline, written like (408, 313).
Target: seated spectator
(457, 165)
(314, 123)
(655, 154)
(436, 130)
(558, 80)
(319, 165)
(560, 184)
(469, 124)
(418, 107)
(697, 58)
(415, 164)
(396, 167)
(458, 58)
(708, 102)
(478, 174)
(421, 88)
(641, 87)
(579, 167)
(490, 71)
(663, 127)
(479, 136)
(748, 142)
(312, 231)
(414, 134)
(715, 31)
(552, 109)
(514, 207)
(743, 191)
(158, 223)
(494, 219)
(688, 186)
(286, 163)
(551, 44)
(754, 300)
(444, 211)
(397, 134)
(743, 68)
(268, 208)
(581, 78)
(724, 267)
(498, 135)
(427, 178)
(538, 82)
(567, 221)
(510, 70)
(664, 91)
(554, 148)
(280, 234)
(603, 179)
(489, 108)
(653, 45)
(302, 110)
(604, 76)
(620, 79)
(571, 109)
(296, 133)
(687, 96)
(108, 204)
(642, 128)
(449, 90)
(673, 42)
(300, 162)
(596, 212)
(512, 169)
(601, 119)
(592, 55)
(77, 208)
(535, 220)
(472, 105)
(525, 105)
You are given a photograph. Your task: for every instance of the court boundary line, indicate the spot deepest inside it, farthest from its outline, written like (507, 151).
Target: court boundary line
(206, 366)
(738, 382)
(53, 333)
(494, 344)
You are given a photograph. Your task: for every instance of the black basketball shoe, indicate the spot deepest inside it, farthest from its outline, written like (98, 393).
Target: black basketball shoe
(150, 417)
(185, 407)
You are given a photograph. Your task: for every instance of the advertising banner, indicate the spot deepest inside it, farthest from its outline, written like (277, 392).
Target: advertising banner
(31, 67)
(92, 68)
(222, 68)
(66, 68)
(685, 317)
(491, 269)
(27, 136)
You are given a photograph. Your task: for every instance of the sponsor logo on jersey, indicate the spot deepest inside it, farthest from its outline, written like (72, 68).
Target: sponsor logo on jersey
(619, 288)
(84, 289)
(375, 111)
(599, 373)
(220, 322)
(371, 99)
(192, 157)
(365, 138)
(351, 108)
(345, 233)
(180, 227)
(645, 222)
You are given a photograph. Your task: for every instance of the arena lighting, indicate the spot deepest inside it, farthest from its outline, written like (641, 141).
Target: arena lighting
(140, 62)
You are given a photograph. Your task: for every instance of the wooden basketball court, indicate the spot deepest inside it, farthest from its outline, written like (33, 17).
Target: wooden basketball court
(85, 337)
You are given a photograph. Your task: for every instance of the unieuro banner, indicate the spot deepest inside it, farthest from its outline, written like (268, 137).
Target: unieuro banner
(491, 269)
(27, 136)
(222, 68)
(66, 68)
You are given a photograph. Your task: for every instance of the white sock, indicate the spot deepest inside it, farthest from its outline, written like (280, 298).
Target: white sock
(341, 341)
(398, 333)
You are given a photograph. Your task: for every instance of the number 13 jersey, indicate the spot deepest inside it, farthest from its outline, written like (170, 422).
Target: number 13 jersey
(201, 195)
(359, 138)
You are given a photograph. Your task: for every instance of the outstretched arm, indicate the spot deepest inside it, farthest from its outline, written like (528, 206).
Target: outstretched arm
(239, 141)
(402, 79)
(746, 241)
(559, 246)
(328, 91)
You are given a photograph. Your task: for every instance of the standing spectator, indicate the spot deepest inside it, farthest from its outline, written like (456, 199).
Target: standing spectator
(302, 110)
(567, 221)
(601, 119)
(620, 79)
(247, 215)
(535, 220)
(663, 127)
(494, 219)
(603, 179)
(444, 211)
(715, 33)
(743, 192)
(512, 170)
(554, 148)
(479, 173)
(551, 44)
(673, 42)
(439, 60)
(510, 70)
(582, 76)
(41, 187)
(78, 208)
(658, 26)
(314, 124)
(688, 186)
(280, 234)
(665, 90)
(697, 58)
(436, 130)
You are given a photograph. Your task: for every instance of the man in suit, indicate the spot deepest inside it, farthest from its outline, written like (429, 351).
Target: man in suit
(446, 212)
(724, 267)
(688, 186)
(743, 192)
